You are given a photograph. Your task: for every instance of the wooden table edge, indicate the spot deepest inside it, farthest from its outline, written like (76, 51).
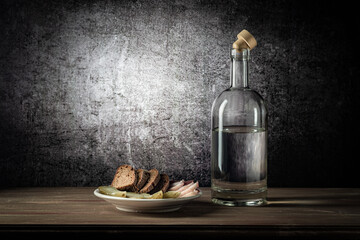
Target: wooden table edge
(171, 231)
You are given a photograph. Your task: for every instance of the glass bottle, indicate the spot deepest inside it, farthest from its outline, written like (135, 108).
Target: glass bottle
(239, 136)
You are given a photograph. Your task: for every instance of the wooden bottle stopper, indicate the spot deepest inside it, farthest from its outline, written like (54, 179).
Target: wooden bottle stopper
(245, 41)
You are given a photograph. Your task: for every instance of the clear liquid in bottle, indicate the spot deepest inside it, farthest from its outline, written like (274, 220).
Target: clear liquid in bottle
(239, 158)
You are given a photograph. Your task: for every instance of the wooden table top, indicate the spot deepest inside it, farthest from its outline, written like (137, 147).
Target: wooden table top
(296, 212)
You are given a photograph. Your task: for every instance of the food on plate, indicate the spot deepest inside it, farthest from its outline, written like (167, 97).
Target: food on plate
(162, 185)
(147, 184)
(171, 194)
(157, 195)
(124, 178)
(185, 188)
(142, 177)
(137, 195)
(108, 190)
(152, 181)
(176, 185)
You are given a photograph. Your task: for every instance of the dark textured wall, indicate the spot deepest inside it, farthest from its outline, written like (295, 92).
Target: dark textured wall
(88, 85)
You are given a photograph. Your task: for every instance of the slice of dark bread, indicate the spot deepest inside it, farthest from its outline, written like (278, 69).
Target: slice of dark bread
(142, 176)
(125, 178)
(152, 181)
(163, 184)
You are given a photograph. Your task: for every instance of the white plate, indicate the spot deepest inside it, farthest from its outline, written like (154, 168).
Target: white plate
(146, 205)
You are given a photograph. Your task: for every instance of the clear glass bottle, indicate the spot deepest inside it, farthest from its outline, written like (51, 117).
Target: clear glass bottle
(239, 140)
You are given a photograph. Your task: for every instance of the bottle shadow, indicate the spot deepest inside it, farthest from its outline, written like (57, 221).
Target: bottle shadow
(202, 207)
(345, 200)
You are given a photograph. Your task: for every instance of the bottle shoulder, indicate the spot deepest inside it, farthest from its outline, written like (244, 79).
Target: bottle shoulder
(243, 107)
(240, 96)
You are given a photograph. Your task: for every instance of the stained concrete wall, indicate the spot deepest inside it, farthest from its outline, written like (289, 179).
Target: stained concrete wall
(88, 85)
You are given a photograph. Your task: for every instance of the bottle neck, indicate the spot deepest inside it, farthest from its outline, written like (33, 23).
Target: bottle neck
(239, 68)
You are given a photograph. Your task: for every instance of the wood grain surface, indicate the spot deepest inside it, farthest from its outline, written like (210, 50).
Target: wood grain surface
(295, 212)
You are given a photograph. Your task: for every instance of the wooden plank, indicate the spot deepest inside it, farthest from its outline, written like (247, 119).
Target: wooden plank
(289, 211)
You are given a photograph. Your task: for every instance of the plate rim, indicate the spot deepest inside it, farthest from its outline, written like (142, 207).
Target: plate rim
(100, 195)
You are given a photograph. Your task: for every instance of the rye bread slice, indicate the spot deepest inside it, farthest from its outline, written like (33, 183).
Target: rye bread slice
(162, 185)
(125, 178)
(152, 181)
(142, 176)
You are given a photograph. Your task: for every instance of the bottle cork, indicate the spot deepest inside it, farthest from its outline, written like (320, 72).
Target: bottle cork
(245, 41)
